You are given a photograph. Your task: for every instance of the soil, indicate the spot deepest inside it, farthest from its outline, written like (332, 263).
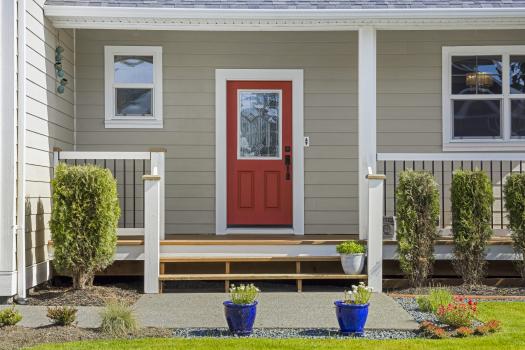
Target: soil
(49, 295)
(465, 290)
(15, 337)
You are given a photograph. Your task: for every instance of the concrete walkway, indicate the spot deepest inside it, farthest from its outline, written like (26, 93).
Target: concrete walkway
(205, 310)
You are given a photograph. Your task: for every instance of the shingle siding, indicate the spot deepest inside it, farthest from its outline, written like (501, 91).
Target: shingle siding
(293, 4)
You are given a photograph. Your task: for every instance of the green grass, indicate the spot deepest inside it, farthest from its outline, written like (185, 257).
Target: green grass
(512, 336)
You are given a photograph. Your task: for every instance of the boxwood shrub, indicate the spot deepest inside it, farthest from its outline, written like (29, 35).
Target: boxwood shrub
(472, 200)
(83, 221)
(514, 191)
(417, 218)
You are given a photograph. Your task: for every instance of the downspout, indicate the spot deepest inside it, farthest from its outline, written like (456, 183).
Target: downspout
(21, 195)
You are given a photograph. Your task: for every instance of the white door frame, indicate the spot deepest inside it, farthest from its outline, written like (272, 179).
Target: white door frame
(221, 77)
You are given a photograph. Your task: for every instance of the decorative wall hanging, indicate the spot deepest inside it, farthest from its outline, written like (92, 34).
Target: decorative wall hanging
(59, 70)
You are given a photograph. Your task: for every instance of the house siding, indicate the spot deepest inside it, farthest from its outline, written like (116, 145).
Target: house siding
(49, 121)
(329, 60)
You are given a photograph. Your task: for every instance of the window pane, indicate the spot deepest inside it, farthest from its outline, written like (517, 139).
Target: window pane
(517, 74)
(133, 102)
(476, 75)
(517, 111)
(259, 124)
(476, 118)
(134, 69)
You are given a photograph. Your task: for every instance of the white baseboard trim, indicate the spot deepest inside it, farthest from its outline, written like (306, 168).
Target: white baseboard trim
(35, 275)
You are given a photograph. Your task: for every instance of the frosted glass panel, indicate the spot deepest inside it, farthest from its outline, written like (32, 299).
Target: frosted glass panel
(259, 124)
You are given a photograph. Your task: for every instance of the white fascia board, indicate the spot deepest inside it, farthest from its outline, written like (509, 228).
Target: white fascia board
(278, 19)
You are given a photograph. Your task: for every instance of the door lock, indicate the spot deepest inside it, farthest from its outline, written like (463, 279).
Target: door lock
(287, 161)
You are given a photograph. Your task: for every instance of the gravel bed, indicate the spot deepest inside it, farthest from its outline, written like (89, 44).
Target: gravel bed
(284, 333)
(410, 305)
(465, 290)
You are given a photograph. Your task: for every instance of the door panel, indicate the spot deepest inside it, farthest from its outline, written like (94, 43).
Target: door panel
(259, 150)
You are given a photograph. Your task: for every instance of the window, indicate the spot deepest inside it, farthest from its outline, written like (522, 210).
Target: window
(133, 78)
(484, 98)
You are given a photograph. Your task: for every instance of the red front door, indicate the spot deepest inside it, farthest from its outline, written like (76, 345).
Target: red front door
(259, 152)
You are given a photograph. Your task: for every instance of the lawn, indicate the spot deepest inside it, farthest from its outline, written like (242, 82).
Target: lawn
(512, 336)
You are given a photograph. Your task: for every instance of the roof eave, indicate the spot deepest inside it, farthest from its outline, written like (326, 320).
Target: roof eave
(283, 19)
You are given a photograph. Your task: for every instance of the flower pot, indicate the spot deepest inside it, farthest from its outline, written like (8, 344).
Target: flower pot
(240, 318)
(353, 264)
(351, 317)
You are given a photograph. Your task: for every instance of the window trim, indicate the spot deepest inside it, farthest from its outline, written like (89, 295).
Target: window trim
(111, 119)
(506, 143)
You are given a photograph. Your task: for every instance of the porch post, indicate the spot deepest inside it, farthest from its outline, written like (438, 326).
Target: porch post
(158, 160)
(367, 119)
(375, 231)
(152, 227)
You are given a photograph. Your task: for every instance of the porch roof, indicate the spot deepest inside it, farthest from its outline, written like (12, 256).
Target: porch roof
(294, 4)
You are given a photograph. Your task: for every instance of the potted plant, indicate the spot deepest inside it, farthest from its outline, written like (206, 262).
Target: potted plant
(352, 311)
(241, 309)
(352, 257)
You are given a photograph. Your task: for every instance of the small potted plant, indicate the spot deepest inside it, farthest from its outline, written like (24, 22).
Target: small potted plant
(352, 311)
(352, 257)
(241, 309)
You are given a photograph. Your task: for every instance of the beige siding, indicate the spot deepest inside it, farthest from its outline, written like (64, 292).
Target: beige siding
(409, 84)
(329, 61)
(49, 121)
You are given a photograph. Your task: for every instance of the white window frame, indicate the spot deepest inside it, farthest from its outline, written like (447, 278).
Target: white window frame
(505, 143)
(114, 121)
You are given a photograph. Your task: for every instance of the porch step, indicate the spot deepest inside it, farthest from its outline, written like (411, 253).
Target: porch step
(180, 258)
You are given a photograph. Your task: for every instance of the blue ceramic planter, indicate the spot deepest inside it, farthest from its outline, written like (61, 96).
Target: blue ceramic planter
(240, 318)
(351, 317)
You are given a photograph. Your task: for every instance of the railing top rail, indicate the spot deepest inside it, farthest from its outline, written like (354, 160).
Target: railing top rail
(451, 156)
(103, 155)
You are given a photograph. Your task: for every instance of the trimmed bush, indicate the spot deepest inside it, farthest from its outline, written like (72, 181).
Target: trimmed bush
(84, 221)
(514, 191)
(351, 247)
(417, 218)
(472, 200)
(62, 315)
(118, 319)
(9, 317)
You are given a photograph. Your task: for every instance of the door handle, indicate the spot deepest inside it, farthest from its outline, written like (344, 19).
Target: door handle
(287, 161)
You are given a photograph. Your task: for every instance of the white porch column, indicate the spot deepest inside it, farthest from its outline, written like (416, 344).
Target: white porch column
(158, 167)
(151, 233)
(367, 119)
(375, 231)
(7, 148)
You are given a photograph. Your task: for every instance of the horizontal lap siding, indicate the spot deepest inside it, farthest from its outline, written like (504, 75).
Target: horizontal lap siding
(49, 122)
(329, 61)
(409, 84)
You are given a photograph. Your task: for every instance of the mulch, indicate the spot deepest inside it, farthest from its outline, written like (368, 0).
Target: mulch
(49, 295)
(15, 337)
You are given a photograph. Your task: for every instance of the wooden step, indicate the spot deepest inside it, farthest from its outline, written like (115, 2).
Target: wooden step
(269, 258)
(259, 276)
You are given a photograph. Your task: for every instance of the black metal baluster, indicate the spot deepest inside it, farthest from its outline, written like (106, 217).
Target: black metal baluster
(471, 165)
(134, 194)
(461, 165)
(442, 194)
(433, 170)
(413, 165)
(395, 187)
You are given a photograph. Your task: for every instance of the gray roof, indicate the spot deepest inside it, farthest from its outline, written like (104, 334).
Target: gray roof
(294, 4)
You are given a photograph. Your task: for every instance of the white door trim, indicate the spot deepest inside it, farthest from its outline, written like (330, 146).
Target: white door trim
(296, 77)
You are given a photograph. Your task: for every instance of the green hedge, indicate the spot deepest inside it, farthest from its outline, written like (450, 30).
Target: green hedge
(84, 221)
(514, 191)
(417, 218)
(472, 200)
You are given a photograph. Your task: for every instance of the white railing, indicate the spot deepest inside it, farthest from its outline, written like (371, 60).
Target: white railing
(151, 168)
(497, 166)
(375, 230)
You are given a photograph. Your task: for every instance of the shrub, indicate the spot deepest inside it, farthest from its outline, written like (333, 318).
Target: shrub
(457, 313)
(471, 223)
(430, 330)
(359, 295)
(514, 191)
(350, 247)
(9, 317)
(436, 298)
(118, 319)
(493, 326)
(83, 221)
(463, 332)
(417, 214)
(243, 294)
(62, 315)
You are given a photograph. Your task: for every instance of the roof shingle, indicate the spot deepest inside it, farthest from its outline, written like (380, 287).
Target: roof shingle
(294, 4)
